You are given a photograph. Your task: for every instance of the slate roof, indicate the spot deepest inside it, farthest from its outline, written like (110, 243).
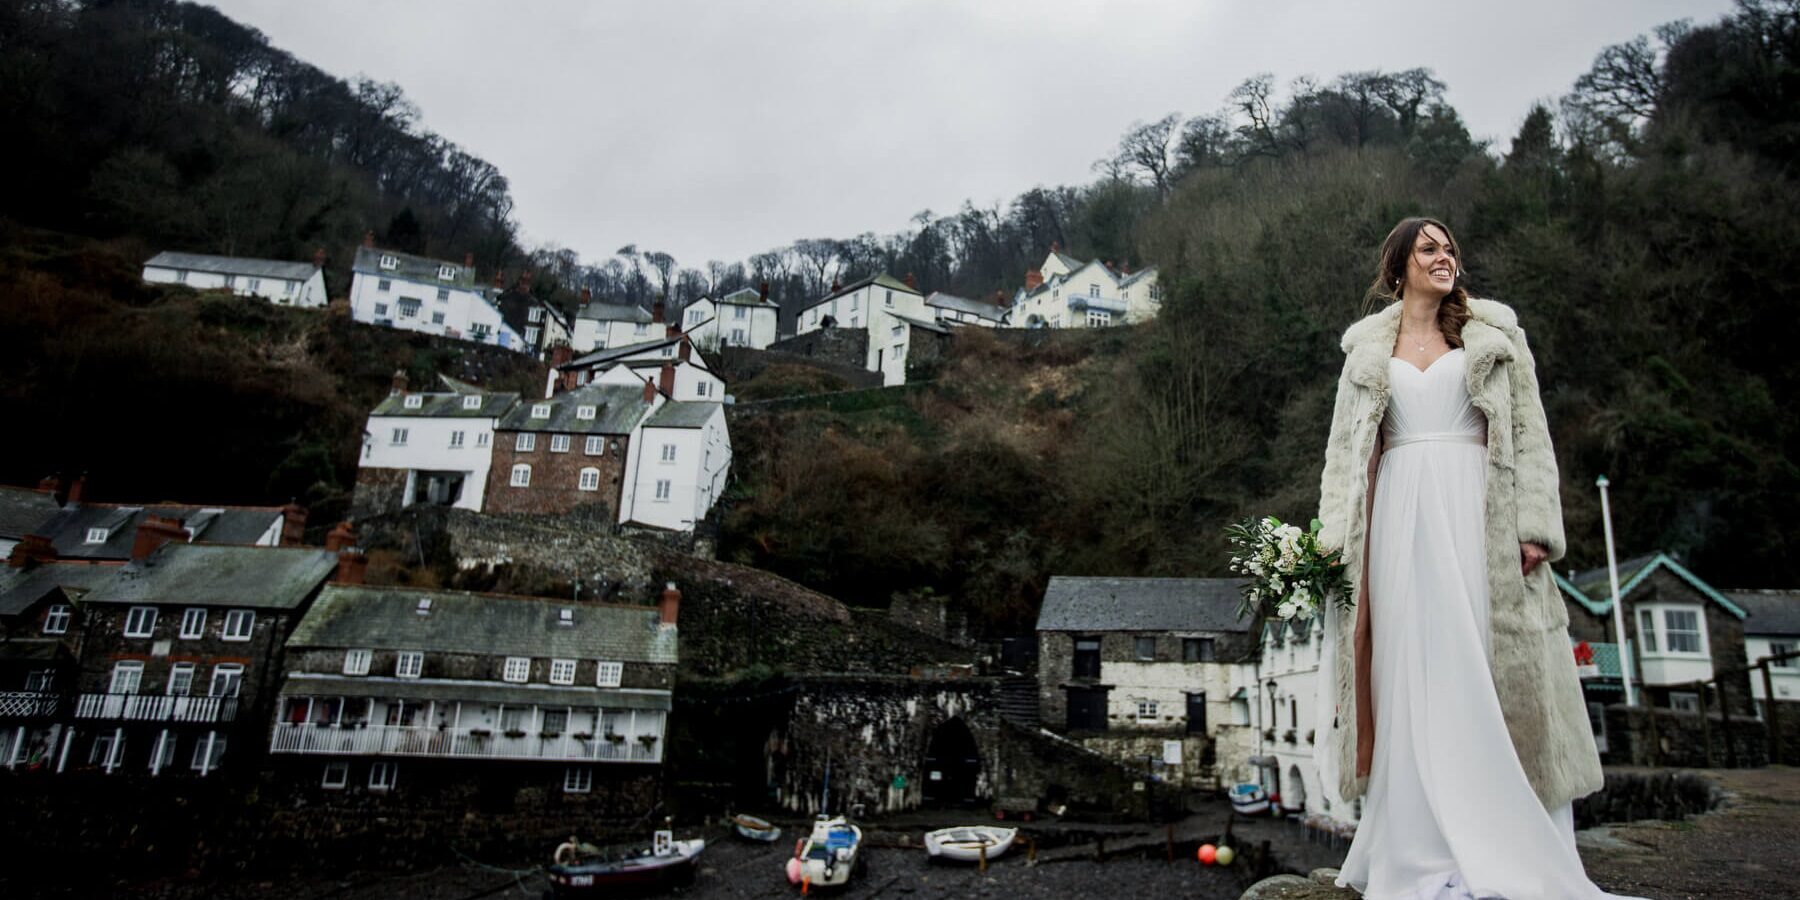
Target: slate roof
(747, 297)
(387, 618)
(882, 279)
(20, 588)
(412, 268)
(1137, 276)
(613, 312)
(234, 265)
(1142, 604)
(606, 355)
(1771, 612)
(1067, 260)
(683, 414)
(300, 684)
(68, 530)
(618, 409)
(274, 578)
(446, 406)
(926, 324)
(1593, 588)
(24, 510)
(942, 300)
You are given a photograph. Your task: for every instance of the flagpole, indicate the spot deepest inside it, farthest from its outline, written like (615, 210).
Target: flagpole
(1618, 609)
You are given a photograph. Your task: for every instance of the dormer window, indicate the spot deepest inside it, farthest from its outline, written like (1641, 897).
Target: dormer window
(540, 410)
(97, 535)
(446, 273)
(415, 401)
(424, 606)
(389, 261)
(567, 618)
(536, 314)
(584, 412)
(472, 401)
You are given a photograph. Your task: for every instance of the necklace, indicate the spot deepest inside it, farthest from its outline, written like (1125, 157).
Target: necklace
(1420, 343)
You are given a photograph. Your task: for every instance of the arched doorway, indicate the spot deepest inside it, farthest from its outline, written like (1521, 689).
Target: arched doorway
(952, 764)
(1295, 798)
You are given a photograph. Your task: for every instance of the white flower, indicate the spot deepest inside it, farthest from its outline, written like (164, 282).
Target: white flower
(1287, 609)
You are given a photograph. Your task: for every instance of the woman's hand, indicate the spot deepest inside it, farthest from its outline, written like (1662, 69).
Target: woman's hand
(1532, 554)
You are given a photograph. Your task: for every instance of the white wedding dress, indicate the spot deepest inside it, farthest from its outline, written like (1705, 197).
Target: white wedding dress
(1449, 814)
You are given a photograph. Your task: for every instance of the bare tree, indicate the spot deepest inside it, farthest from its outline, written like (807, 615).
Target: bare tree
(1205, 141)
(663, 265)
(1409, 94)
(821, 257)
(1149, 149)
(1254, 102)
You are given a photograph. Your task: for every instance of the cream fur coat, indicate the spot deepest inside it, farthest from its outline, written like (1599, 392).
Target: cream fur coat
(1533, 665)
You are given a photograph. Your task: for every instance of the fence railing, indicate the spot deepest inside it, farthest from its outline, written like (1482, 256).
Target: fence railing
(156, 708)
(23, 704)
(415, 740)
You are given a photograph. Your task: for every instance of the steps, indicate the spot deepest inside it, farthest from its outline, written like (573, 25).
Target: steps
(1019, 700)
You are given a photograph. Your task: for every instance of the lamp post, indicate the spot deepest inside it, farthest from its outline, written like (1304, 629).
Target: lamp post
(1618, 610)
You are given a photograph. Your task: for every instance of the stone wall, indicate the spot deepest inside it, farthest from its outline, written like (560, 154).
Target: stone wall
(1641, 736)
(739, 364)
(930, 614)
(1056, 660)
(378, 491)
(925, 352)
(844, 346)
(556, 478)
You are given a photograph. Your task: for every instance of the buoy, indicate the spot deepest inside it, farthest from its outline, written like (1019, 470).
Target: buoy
(1208, 853)
(1225, 855)
(793, 871)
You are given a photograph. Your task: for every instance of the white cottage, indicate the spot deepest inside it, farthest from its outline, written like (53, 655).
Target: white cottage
(1282, 697)
(429, 448)
(279, 282)
(603, 326)
(742, 318)
(416, 293)
(886, 306)
(1065, 292)
(679, 461)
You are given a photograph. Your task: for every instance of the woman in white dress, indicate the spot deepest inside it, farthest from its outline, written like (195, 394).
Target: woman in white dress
(1450, 810)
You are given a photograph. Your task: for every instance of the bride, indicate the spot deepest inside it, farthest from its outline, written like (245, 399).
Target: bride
(1457, 716)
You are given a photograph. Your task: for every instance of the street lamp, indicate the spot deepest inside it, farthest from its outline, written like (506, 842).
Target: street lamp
(1618, 609)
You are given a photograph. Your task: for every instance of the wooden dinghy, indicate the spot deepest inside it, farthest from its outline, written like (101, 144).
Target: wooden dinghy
(966, 843)
(751, 828)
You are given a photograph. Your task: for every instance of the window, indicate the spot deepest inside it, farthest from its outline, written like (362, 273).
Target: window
(193, 623)
(239, 623)
(252, 284)
(517, 670)
(590, 479)
(662, 490)
(479, 331)
(1156, 292)
(556, 721)
(565, 618)
(56, 619)
(585, 412)
(1087, 658)
(702, 389)
(738, 337)
(1146, 710)
(399, 437)
(381, 309)
(608, 674)
(1681, 630)
(1197, 650)
(740, 312)
(641, 329)
(526, 442)
(481, 440)
(409, 664)
(456, 440)
(1098, 318)
(97, 535)
(181, 679)
(445, 273)
(207, 753)
(1647, 629)
(382, 776)
(181, 275)
(288, 287)
(540, 410)
(409, 308)
(389, 261)
(531, 334)
(385, 284)
(562, 671)
(443, 294)
(140, 621)
(536, 314)
(1777, 648)
(472, 401)
(578, 780)
(1093, 290)
(1684, 701)
(414, 401)
(668, 453)
(356, 662)
(521, 475)
(227, 680)
(559, 443)
(1144, 648)
(126, 676)
(594, 446)
(437, 318)
(337, 774)
(890, 298)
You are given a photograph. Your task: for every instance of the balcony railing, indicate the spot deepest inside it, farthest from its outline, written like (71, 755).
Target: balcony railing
(156, 708)
(24, 704)
(399, 740)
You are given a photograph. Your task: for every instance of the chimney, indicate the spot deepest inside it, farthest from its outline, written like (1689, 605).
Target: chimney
(1056, 246)
(666, 379)
(319, 258)
(1000, 299)
(342, 536)
(649, 391)
(469, 260)
(76, 488)
(762, 292)
(351, 566)
(499, 279)
(835, 286)
(293, 524)
(1124, 267)
(1033, 279)
(587, 296)
(561, 354)
(669, 607)
(686, 348)
(671, 330)
(912, 281)
(369, 239)
(657, 310)
(31, 550)
(399, 383)
(1108, 264)
(50, 484)
(154, 532)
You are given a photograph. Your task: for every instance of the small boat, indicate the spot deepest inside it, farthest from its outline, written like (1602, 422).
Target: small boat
(1249, 799)
(752, 828)
(582, 870)
(965, 844)
(829, 856)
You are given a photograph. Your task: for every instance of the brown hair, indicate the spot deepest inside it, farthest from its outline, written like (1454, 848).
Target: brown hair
(1390, 273)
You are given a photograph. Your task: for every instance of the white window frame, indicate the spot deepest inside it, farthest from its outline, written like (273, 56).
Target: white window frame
(471, 401)
(608, 674)
(1670, 632)
(1777, 648)
(1146, 710)
(668, 453)
(1647, 631)
(588, 480)
(446, 273)
(390, 261)
(227, 680)
(559, 443)
(540, 410)
(531, 335)
(398, 438)
(578, 779)
(481, 439)
(443, 294)
(456, 440)
(57, 618)
(240, 625)
(140, 622)
(702, 388)
(127, 677)
(517, 670)
(384, 284)
(739, 338)
(562, 671)
(526, 443)
(207, 753)
(409, 664)
(383, 776)
(535, 314)
(356, 662)
(97, 535)
(193, 623)
(186, 686)
(337, 775)
(585, 412)
(1099, 318)
(663, 490)
(595, 446)
(415, 401)
(521, 475)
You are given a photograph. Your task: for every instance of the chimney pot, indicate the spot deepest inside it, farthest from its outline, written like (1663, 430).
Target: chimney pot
(319, 258)
(835, 286)
(586, 296)
(152, 533)
(399, 383)
(1056, 246)
(77, 488)
(686, 348)
(369, 238)
(669, 608)
(293, 524)
(49, 484)
(1034, 279)
(352, 564)
(762, 291)
(657, 311)
(649, 391)
(342, 536)
(912, 281)
(667, 379)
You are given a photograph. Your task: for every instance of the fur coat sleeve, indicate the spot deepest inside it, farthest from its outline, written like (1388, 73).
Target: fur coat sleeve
(1333, 484)
(1534, 460)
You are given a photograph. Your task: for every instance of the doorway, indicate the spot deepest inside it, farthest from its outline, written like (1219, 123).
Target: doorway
(952, 764)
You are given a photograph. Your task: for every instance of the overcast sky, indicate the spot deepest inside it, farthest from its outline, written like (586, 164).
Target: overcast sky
(719, 130)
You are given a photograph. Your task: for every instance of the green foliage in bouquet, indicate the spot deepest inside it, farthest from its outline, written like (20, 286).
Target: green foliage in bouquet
(1290, 573)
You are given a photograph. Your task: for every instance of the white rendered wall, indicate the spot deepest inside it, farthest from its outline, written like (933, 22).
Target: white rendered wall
(280, 291)
(462, 309)
(428, 448)
(1785, 680)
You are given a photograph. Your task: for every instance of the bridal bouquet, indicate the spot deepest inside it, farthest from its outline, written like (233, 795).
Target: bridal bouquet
(1290, 574)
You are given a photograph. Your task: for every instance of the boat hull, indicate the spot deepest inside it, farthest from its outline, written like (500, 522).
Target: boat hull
(966, 844)
(636, 875)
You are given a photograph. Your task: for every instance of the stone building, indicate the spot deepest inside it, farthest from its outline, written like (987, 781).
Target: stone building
(1141, 668)
(406, 690)
(40, 637)
(567, 454)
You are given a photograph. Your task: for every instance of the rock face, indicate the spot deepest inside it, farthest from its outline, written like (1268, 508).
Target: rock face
(1316, 886)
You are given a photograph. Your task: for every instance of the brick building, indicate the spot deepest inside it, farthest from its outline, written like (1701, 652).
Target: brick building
(566, 454)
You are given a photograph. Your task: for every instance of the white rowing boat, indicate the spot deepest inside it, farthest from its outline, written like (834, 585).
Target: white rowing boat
(966, 843)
